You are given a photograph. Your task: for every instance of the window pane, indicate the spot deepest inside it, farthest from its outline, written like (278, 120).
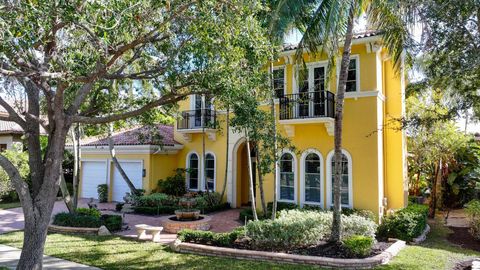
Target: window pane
(279, 82)
(193, 172)
(344, 180)
(351, 86)
(353, 64)
(344, 198)
(312, 180)
(287, 193)
(312, 195)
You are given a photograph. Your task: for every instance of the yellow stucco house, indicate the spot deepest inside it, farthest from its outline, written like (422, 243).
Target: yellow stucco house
(374, 175)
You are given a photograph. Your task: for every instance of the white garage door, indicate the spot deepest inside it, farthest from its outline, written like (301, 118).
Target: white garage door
(134, 171)
(94, 173)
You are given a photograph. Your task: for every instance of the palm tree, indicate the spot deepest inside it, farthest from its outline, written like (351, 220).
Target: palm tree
(323, 28)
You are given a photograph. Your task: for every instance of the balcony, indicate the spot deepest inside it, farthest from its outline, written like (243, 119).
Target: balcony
(307, 108)
(197, 121)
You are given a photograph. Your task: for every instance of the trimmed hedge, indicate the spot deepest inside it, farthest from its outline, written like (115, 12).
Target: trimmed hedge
(404, 224)
(88, 212)
(73, 220)
(160, 210)
(112, 222)
(211, 238)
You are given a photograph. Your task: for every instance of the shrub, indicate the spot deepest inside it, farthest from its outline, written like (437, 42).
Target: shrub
(155, 200)
(282, 206)
(298, 228)
(119, 207)
(159, 210)
(102, 193)
(112, 222)
(88, 212)
(358, 245)
(174, 185)
(404, 224)
(210, 238)
(20, 160)
(74, 220)
(473, 212)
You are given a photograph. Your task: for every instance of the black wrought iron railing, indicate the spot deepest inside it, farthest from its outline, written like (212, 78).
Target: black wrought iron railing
(197, 119)
(307, 105)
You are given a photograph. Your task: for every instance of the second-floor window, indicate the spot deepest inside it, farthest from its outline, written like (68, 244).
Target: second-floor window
(352, 76)
(279, 82)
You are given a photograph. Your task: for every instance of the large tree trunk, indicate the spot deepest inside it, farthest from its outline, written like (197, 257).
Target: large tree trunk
(124, 175)
(250, 174)
(260, 184)
(274, 134)
(224, 188)
(337, 207)
(76, 162)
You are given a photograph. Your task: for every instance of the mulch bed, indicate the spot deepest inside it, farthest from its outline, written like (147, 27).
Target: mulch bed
(333, 250)
(463, 238)
(324, 249)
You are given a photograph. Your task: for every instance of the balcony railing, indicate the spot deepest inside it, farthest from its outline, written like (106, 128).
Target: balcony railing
(307, 105)
(197, 119)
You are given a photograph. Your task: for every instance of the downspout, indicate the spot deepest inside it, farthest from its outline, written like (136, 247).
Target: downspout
(384, 124)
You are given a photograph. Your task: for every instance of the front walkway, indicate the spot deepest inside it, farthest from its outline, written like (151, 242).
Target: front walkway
(10, 256)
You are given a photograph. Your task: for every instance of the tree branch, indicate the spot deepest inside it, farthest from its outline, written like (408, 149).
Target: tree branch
(13, 115)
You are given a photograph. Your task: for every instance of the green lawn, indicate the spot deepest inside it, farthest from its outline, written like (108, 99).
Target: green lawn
(8, 206)
(119, 253)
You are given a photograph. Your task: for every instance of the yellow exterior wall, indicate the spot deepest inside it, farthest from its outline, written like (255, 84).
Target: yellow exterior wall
(377, 150)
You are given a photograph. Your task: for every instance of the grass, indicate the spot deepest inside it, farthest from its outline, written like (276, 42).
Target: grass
(8, 205)
(112, 252)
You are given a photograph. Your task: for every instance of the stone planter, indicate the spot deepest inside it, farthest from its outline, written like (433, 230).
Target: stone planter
(365, 263)
(187, 214)
(170, 224)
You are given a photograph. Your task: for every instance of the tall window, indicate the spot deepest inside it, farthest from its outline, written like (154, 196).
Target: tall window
(287, 178)
(352, 76)
(345, 178)
(210, 171)
(193, 172)
(312, 179)
(279, 82)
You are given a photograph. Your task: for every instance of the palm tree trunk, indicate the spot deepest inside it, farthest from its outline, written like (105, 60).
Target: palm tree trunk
(342, 82)
(433, 193)
(274, 135)
(117, 165)
(250, 174)
(260, 184)
(226, 153)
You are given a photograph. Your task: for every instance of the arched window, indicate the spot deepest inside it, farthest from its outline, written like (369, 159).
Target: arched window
(192, 173)
(287, 178)
(312, 180)
(346, 179)
(210, 171)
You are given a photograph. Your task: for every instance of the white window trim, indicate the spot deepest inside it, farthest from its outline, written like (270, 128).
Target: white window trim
(192, 102)
(355, 57)
(329, 177)
(302, 180)
(284, 67)
(199, 173)
(295, 175)
(214, 171)
(310, 67)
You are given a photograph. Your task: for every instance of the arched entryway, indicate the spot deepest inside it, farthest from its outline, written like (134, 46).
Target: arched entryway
(241, 181)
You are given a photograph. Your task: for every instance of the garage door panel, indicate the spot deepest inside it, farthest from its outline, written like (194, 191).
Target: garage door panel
(134, 171)
(94, 173)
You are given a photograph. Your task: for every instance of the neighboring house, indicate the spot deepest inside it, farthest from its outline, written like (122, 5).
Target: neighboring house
(10, 133)
(375, 173)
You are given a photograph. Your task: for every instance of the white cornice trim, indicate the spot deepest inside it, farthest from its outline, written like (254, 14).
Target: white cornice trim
(362, 94)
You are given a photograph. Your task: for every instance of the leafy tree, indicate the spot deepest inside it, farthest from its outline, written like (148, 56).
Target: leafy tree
(20, 160)
(63, 56)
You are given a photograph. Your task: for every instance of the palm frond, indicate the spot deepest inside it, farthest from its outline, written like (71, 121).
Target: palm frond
(386, 15)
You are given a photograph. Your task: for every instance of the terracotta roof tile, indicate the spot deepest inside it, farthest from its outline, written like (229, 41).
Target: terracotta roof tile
(137, 136)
